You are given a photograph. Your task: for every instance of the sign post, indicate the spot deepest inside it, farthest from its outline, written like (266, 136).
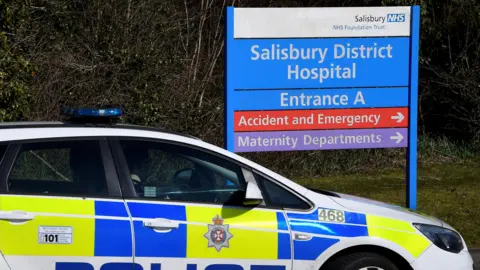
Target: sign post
(323, 79)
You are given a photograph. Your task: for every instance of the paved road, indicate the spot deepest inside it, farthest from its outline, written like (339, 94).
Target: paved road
(476, 257)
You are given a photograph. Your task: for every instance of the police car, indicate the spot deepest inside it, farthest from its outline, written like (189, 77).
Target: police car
(89, 194)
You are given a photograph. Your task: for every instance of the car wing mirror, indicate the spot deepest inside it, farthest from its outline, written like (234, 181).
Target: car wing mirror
(253, 195)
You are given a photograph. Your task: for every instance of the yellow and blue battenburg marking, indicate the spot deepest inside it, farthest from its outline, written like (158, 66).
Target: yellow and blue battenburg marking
(96, 227)
(255, 234)
(310, 224)
(102, 228)
(112, 236)
(353, 225)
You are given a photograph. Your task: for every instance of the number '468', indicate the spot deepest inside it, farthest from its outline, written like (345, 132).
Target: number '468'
(331, 215)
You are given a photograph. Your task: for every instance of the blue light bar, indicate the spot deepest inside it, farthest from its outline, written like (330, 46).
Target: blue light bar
(86, 112)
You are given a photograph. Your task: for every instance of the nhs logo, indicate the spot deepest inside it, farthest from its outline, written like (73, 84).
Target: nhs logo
(396, 17)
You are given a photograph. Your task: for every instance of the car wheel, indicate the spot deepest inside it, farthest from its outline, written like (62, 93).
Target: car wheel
(361, 261)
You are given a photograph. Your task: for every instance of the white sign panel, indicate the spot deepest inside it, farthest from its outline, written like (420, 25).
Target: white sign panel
(321, 22)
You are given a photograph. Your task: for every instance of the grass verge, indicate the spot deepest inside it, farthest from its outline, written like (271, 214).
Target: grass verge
(449, 191)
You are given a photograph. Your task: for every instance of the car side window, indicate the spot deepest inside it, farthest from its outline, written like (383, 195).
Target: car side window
(165, 171)
(278, 197)
(67, 168)
(3, 149)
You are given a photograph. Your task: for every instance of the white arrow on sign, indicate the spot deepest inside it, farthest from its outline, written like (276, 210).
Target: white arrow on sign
(399, 137)
(399, 117)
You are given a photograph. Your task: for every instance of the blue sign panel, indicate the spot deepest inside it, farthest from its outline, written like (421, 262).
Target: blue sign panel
(341, 63)
(313, 63)
(275, 99)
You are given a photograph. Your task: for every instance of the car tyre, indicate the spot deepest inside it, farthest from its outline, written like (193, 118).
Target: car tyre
(361, 261)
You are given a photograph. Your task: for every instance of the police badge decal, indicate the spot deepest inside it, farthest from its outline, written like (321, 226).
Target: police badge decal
(218, 234)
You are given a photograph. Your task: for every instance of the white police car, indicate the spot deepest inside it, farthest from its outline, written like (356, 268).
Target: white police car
(78, 196)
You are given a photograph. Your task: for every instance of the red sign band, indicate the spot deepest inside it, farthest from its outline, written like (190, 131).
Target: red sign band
(320, 119)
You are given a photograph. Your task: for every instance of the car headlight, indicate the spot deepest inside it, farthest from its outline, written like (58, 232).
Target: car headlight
(443, 238)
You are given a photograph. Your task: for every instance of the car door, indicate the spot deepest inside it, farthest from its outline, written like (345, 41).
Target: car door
(61, 206)
(187, 206)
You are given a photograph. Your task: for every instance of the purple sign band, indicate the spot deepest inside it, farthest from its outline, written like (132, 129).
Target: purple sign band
(320, 139)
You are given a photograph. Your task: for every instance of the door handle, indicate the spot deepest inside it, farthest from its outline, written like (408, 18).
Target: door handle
(15, 216)
(161, 224)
